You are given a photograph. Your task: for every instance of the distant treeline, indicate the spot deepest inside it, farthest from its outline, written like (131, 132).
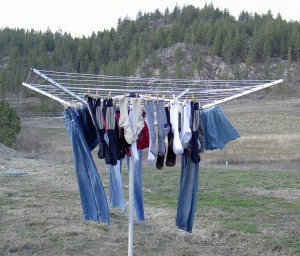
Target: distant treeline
(252, 38)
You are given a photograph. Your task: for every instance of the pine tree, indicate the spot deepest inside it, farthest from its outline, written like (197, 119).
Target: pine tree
(177, 59)
(267, 68)
(198, 58)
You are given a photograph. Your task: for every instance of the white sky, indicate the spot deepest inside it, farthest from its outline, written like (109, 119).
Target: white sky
(82, 18)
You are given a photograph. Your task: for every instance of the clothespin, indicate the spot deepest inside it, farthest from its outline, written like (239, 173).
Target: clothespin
(88, 94)
(193, 98)
(65, 104)
(122, 98)
(186, 98)
(136, 96)
(156, 98)
(109, 95)
(163, 97)
(97, 95)
(73, 103)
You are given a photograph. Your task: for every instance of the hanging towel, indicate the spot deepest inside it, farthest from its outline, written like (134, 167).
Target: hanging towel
(217, 128)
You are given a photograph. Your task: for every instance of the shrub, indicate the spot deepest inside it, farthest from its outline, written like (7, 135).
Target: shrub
(9, 124)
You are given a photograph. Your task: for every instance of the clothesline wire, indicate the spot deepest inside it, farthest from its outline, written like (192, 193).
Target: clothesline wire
(165, 80)
(72, 87)
(170, 81)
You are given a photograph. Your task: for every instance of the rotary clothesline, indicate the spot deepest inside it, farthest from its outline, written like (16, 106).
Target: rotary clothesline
(72, 87)
(68, 88)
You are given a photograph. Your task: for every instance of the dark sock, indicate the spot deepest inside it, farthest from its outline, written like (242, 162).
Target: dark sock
(171, 156)
(110, 119)
(121, 138)
(160, 162)
(91, 104)
(98, 114)
(195, 156)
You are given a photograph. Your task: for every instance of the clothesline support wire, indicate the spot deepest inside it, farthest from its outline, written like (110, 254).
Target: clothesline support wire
(68, 87)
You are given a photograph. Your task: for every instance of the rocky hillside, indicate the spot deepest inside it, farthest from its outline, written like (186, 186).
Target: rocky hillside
(214, 68)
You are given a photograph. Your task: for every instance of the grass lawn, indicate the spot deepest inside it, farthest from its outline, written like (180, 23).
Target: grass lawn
(250, 201)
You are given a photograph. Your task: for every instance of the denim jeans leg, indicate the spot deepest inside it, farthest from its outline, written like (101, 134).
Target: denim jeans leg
(92, 194)
(188, 191)
(116, 185)
(138, 187)
(84, 186)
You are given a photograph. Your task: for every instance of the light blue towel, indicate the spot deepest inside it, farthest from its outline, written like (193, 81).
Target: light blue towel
(217, 128)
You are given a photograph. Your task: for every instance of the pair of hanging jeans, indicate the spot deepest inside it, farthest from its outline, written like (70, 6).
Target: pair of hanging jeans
(92, 194)
(188, 191)
(116, 194)
(138, 187)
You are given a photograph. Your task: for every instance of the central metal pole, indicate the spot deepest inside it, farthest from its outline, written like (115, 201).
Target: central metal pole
(131, 206)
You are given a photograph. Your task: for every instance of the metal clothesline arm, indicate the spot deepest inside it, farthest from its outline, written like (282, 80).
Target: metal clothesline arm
(217, 102)
(65, 103)
(59, 86)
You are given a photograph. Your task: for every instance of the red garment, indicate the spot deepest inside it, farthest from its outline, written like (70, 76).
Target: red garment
(142, 141)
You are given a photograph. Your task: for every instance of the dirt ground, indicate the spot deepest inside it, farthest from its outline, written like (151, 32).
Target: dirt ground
(41, 215)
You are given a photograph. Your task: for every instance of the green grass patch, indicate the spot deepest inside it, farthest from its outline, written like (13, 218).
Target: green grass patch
(1, 225)
(37, 225)
(291, 242)
(42, 107)
(231, 202)
(56, 242)
(6, 201)
(162, 200)
(244, 227)
(223, 189)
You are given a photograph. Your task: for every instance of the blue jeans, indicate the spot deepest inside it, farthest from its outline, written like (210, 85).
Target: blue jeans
(188, 191)
(217, 128)
(116, 185)
(138, 187)
(92, 194)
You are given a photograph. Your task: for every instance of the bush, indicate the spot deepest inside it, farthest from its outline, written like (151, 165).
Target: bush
(9, 124)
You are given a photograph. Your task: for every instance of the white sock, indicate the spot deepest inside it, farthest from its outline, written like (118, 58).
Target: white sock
(174, 119)
(185, 133)
(124, 121)
(134, 153)
(137, 120)
(151, 157)
(133, 148)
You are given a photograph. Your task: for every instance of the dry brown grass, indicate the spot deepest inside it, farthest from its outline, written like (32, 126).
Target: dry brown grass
(270, 134)
(41, 212)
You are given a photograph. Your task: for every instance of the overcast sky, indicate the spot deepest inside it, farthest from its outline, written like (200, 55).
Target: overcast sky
(83, 17)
